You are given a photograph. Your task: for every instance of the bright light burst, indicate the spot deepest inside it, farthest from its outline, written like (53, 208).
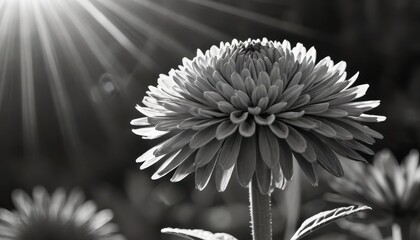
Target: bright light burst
(55, 51)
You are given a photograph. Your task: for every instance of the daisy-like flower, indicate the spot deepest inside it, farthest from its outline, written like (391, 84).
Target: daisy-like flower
(391, 189)
(253, 107)
(56, 217)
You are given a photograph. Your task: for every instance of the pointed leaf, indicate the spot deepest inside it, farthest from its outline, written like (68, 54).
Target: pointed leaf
(321, 219)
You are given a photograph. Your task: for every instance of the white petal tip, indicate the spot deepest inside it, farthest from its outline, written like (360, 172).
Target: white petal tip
(156, 176)
(381, 118)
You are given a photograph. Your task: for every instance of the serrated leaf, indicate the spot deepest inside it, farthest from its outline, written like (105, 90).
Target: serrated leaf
(323, 218)
(194, 234)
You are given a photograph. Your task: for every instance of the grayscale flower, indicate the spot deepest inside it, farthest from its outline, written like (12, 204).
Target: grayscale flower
(253, 107)
(392, 190)
(56, 217)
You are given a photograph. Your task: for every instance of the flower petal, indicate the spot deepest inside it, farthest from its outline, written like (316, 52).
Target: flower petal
(279, 129)
(207, 152)
(276, 108)
(238, 82)
(225, 107)
(230, 151)
(296, 141)
(203, 174)
(222, 177)
(140, 122)
(183, 170)
(264, 121)
(315, 108)
(342, 150)
(269, 147)
(326, 157)
(286, 159)
(259, 92)
(247, 128)
(225, 129)
(246, 163)
(175, 143)
(278, 178)
(203, 137)
(291, 115)
(238, 117)
(171, 163)
(308, 169)
(149, 132)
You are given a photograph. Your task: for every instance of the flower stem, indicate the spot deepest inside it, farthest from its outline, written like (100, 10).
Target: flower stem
(260, 210)
(401, 230)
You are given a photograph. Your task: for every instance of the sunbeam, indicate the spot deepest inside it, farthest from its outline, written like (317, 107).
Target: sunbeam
(75, 59)
(70, 41)
(27, 80)
(183, 20)
(117, 34)
(61, 99)
(158, 36)
(263, 19)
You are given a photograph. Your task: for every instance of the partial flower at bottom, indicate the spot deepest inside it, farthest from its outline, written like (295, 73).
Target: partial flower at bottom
(252, 107)
(56, 217)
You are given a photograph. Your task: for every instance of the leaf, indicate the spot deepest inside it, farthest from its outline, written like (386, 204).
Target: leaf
(323, 218)
(192, 234)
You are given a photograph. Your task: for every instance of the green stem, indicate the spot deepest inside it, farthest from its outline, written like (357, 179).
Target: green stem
(260, 210)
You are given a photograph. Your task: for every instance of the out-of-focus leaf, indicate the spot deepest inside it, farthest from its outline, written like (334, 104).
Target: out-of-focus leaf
(195, 234)
(333, 236)
(365, 231)
(321, 219)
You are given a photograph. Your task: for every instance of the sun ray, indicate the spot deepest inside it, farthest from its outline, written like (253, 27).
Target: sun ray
(145, 28)
(75, 59)
(264, 19)
(183, 20)
(30, 141)
(2, 5)
(7, 29)
(117, 34)
(60, 96)
(98, 47)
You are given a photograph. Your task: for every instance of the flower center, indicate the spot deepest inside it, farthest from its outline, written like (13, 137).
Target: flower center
(250, 48)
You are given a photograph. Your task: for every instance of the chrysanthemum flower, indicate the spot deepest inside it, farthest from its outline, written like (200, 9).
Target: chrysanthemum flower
(253, 107)
(56, 217)
(392, 190)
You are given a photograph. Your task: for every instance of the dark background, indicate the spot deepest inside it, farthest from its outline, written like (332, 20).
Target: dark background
(66, 123)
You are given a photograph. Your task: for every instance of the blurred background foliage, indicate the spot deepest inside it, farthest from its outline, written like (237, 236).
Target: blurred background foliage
(72, 72)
